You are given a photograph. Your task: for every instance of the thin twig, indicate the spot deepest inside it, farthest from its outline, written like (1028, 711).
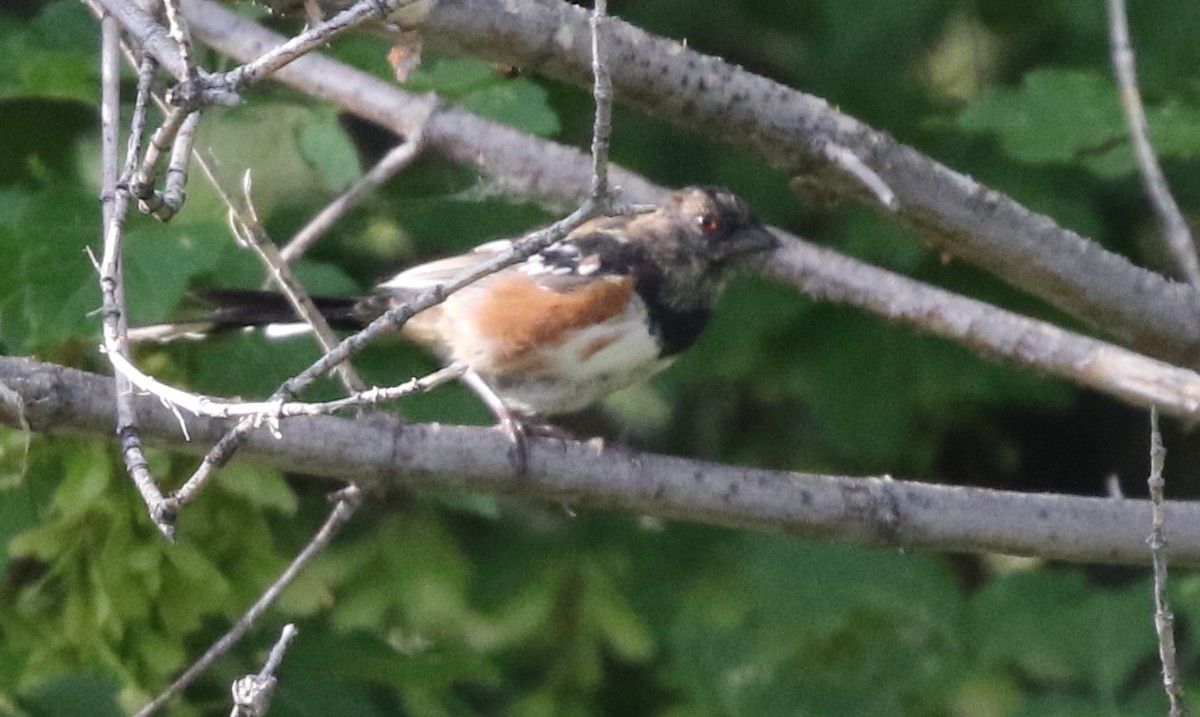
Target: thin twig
(268, 411)
(246, 226)
(277, 652)
(173, 196)
(1164, 620)
(863, 175)
(165, 204)
(142, 183)
(252, 693)
(391, 320)
(396, 159)
(110, 115)
(603, 96)
(300, 45)
(115, 207)
(1176, 233)
(137, 124)
(348, 501)
(183, 39)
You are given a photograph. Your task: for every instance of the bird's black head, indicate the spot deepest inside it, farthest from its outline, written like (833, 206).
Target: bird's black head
(695, 236)
(715, 222)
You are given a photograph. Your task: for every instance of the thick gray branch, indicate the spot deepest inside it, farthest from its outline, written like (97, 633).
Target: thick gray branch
(990, 331)
(380, 451)
(791, 130)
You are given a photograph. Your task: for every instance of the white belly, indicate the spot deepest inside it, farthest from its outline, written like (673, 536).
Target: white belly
(579, 374)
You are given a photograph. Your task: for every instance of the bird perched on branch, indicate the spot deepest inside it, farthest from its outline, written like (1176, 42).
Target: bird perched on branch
(611, 304)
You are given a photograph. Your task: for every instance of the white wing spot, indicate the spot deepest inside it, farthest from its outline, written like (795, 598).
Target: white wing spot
(590, 265)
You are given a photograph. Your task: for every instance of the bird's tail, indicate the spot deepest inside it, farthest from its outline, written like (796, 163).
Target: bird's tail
(229, 309)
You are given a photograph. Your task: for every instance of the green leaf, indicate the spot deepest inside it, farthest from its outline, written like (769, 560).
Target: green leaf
(325, 279)
(897, 388)
(780, 627)
(479, 87)
(1069, 117)
(76, 694)
(87, 472)
(1052, 117)
(871, 238)
(262, 364)
(161, 260)
(451, 76)
(54, 56)
(12, 663)
(25, 487)
(259, 486)
(517, 103)
(324, 145)
(39, 153)
(54, 287)
(610, 610)
(291, 150)
(194, 585)
(1056, 626)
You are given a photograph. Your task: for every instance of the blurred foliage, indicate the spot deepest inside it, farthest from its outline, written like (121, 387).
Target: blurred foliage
(452, 604)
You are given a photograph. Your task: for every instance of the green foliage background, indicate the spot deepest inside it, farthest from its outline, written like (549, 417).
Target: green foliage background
(453, 604)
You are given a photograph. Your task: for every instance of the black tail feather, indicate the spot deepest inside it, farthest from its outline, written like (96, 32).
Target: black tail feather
(239, 308)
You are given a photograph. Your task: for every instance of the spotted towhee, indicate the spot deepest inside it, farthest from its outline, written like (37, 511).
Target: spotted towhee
(611, 304)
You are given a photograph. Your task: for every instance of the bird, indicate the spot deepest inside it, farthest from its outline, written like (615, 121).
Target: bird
(611, 304)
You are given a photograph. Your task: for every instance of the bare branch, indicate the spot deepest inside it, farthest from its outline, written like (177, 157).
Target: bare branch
(266, 412)
(387, 453)
(395, 160)
(270, 62)
(1164, 620)
(142, 182)
(174, 192)
(863, 175)
(112, 276)
(165, 204)
(260, 67)
(1176, 233)
(183, 39)
(528, 167)
(822, 273)
(348, 501)
(252, 693)
(990, 331)
(602, 94)
(110, 114)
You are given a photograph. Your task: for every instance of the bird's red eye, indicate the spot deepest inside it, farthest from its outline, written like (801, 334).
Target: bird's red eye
(709, 223)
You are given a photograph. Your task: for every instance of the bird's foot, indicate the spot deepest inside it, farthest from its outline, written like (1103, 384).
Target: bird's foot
(520, 429)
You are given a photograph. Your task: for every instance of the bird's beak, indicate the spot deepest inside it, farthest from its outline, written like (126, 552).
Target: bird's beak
(753, 239)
